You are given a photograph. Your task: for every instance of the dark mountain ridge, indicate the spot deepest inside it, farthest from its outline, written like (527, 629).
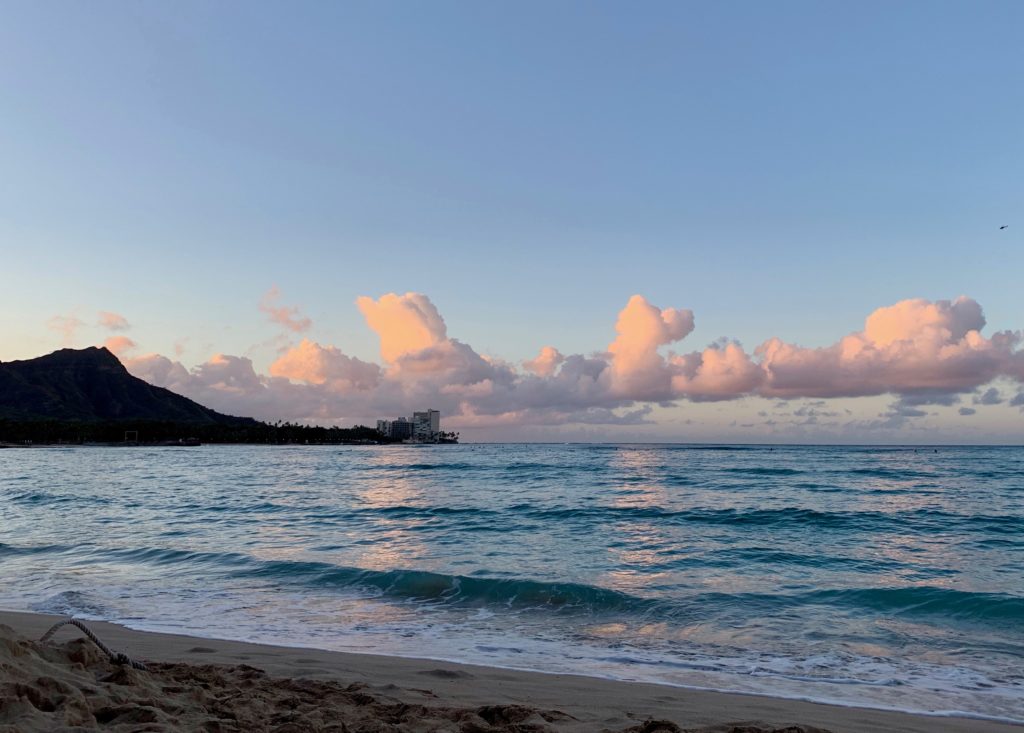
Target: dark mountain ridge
(83, 396)
(92, 385)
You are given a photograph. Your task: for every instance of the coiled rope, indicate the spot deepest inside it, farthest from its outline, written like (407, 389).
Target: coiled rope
(116, 657)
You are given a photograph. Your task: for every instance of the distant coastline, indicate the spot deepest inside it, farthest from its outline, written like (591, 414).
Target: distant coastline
(20, 433)
(87, 397)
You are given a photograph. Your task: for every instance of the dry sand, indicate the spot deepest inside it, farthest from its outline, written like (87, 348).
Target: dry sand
(211, 685)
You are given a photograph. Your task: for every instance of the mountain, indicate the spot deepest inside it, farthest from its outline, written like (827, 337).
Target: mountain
(91, 385)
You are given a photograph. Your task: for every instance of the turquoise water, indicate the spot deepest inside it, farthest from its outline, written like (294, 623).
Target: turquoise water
(888, 577)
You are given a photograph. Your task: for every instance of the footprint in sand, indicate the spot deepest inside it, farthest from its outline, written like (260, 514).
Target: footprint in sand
(201, 650)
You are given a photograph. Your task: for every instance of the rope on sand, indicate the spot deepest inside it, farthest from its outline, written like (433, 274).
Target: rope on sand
(116, 657)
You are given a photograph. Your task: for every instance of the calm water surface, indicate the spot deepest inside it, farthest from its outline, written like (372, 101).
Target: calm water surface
(873, 576)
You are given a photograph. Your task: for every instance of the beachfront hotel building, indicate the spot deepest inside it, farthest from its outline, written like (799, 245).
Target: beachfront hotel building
(425, 427)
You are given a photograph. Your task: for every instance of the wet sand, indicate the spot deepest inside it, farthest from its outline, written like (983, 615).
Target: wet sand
(213, 685)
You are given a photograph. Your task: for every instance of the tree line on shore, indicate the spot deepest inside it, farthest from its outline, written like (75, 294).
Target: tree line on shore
(153, 431)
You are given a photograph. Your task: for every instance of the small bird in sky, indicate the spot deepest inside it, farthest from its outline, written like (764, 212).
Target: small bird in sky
(1004, 226)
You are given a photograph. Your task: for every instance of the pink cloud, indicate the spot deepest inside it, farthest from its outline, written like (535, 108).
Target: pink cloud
(546, 363)
(638, 370)
(912, 346)
(720, 372)
(287, 316)
(917, 319)
(406, 324)
(315, 364)
(922, 352)
(120, 346)
(112, 321)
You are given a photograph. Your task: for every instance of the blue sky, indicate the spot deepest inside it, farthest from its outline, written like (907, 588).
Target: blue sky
(782, 169)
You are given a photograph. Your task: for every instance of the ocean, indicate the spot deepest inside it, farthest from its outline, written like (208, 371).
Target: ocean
(878, 576)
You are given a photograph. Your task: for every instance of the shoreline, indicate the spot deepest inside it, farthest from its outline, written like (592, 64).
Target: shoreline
(298, 647)
(592, 703)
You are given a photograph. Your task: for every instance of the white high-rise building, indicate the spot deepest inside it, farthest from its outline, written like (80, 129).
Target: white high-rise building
(426, 425)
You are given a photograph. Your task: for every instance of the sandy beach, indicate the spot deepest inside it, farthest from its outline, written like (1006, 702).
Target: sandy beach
(203, 684)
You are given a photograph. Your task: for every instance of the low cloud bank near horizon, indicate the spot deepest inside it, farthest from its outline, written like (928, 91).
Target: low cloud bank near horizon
(921, 352)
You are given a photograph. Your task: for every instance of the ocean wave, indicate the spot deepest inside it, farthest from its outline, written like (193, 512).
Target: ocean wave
(601, 447)
(7, 550)
(904, 474)
(745, 557)
(524, 466)
(782, 517)
(912, 601)
(72, 603)
(45, 497)
(406, 510)
(763, 471)
(440, 466)
(489, 590)
(928, 600)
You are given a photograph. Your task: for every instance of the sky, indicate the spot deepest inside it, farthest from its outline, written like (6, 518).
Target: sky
(553, 221)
